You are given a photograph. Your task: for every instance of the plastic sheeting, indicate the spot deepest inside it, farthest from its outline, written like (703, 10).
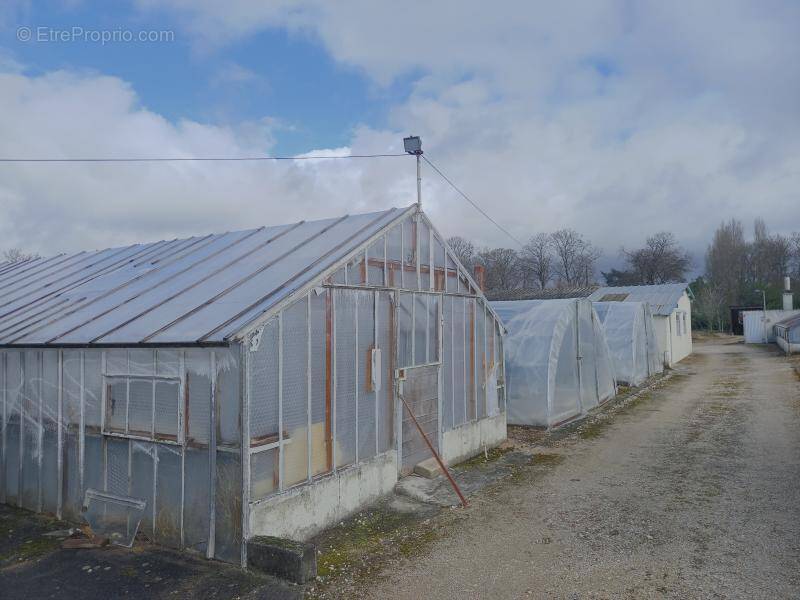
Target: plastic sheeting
(630, 333)
(558, 364)
(90, 434)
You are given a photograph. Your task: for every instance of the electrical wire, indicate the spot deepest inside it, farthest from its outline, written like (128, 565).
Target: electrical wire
(191, 158)
(252, 159)
(468, 199)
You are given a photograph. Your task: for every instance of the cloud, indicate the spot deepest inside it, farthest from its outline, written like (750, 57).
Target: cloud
(618, 119)
(70, 206)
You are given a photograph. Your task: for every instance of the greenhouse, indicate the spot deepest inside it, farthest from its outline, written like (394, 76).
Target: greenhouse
(787, 334)
(631, 338)
(558, 365)
(202, 391)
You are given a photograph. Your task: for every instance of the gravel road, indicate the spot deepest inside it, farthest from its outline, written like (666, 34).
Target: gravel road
(692, 493)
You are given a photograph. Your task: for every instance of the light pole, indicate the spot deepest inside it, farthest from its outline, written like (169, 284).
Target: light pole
(764, 312)
(413, 145)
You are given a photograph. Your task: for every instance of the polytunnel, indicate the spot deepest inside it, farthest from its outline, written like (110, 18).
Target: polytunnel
(631, 338)
(558, 365)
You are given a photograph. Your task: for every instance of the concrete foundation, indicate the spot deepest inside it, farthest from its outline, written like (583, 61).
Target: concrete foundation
(465, 441)
(304, 511)
(294, 561)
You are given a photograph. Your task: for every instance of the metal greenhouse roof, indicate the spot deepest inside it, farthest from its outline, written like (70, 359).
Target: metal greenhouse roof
(662, 298)
(199, 290)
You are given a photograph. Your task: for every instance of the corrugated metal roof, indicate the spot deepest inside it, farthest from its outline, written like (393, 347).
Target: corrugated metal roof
(789, 322)
(662, 298)
(545, 294)
(198, 290)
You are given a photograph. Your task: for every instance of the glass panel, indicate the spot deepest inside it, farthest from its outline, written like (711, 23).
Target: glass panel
(227, 397)
(320, 400)
(12, 432)
(50, 433)
(168, 363)
(116, 404)
(198, 380)
(196, 499)
(140, 407)
(339, 277)
(30, 432)
(366, 395)
(452, 275)
(93, 389)
(395, 256)
(295, 393)
(140, 362)
(433, 328)
(421, 329)
(344, 315)
(410, 254)
(72, 387)
(263, 473)
(404, 331)
(447, 364)
(142, 460)
(168, 495)
(116, 362)
(228, 507)
(264, 387)
(424, 255)
(459, 362)
(385, 336)
(356, 272)
(167, 396)
(480, 360)
(375, 268)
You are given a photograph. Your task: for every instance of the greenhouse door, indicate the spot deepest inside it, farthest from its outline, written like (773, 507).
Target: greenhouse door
(419, 387)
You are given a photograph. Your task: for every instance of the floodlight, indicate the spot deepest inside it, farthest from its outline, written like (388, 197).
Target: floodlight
(413, 145)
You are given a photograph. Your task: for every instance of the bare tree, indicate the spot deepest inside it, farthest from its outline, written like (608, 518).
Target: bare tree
(726, 261)
(501, 264)
(709, 305)
(464, 250)
(13, 255)
(575, 257)
(537, 260)
(660, 261)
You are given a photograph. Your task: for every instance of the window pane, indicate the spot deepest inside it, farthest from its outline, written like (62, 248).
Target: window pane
(356, 270)
(167, 393)
(295, 393)
(410, 254)
(116, 398)
(420, 329)
(264, 387)
(320, 420)
(376, 262)
(395, 256)
(140, 407)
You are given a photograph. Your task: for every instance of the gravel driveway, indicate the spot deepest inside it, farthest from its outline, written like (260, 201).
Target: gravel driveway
(692, 493)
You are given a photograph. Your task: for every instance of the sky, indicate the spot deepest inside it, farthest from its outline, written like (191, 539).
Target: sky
(615, 118)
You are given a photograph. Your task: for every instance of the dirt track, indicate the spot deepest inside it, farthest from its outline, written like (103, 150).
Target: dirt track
(693, 492)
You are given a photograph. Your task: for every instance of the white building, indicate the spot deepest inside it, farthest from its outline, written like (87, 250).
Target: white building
(672, 314)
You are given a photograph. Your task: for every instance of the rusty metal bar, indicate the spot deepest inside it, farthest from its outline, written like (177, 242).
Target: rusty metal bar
(445, 470)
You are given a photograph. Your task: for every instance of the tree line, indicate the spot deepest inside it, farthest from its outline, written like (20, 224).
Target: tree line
(565, 258)
(738, 269)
